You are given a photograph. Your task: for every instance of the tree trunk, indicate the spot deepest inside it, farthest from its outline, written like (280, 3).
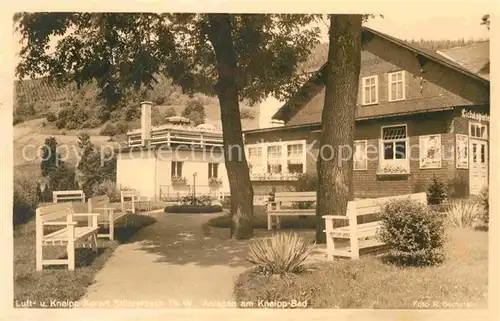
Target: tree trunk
(335, 164)
(219, 34)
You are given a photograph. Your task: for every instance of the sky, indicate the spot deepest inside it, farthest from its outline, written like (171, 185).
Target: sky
(429, 26)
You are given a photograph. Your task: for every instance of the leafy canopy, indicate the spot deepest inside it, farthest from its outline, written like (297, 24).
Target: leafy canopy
(121, 51)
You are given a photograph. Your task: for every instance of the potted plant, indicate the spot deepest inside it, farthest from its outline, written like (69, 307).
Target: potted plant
(214, 181)
(179, 180)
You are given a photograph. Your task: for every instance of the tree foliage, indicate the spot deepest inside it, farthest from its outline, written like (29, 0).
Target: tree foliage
(231, 56)
(195, 111)
(122, 51)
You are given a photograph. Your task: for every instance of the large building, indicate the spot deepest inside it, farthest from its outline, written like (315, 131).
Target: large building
(173, 160)
(419, 114)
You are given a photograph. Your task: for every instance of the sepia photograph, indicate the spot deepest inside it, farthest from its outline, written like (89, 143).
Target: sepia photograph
(264, 161)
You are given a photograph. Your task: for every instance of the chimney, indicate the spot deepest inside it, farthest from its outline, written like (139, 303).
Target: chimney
(146, 122)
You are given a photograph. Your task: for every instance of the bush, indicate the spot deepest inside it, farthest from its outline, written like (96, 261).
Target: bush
(484, 202)
(282, 254)
(462, 213)
(203, 200)
(110, 189)
(108, 130)
(170, 112)
(51, 117)
(436, 192)
(26, 199)
(60, 123)
(413, 231)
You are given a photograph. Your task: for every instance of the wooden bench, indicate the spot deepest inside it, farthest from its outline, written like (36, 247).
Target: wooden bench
(132, 198)
(69, 234)
(364, 231)
(68, 196)
(283, 206)
(107, 214)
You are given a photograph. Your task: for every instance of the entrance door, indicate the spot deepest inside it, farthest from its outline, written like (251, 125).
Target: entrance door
(478, 167)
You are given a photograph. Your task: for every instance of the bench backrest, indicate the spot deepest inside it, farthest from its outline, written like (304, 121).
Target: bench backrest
(98, 202)
(55, 212)
(68, 196)
(295, 197)
(374, 205)
(130, 194)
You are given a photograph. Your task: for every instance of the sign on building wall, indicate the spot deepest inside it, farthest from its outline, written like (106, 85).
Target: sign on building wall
(475, 116)
(430, 151)
(461, 151)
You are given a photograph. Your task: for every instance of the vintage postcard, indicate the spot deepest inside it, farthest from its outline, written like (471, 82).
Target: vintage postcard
(250, 163)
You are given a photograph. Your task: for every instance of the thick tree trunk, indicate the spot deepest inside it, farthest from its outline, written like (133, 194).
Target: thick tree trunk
(335, 164)
(219, 33)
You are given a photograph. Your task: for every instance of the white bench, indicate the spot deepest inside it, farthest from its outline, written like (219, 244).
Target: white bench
(107, 214)
(68, 234)
(68, 196)
(282, 206)
(364, 231)
(131, 198)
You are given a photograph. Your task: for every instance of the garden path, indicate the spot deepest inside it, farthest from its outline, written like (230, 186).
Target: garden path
(174, 262)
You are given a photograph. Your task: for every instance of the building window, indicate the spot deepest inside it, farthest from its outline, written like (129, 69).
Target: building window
(370, 90)
(274, 159)
(397, 86)
(477, 130)
(394, 140)
(360, 155)
(295, 158)
(255, 159)
(213, 170)
(176, 170)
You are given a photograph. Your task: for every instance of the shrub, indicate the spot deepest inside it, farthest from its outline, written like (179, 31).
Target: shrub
(203, 200)
(60, 123)
(462, 213)
(170, 112)
(110, 189)
(414, 232)
(282, 254)
(436, 192)
(26, 199)
(108, 130)
(51, 117)
(484, 202)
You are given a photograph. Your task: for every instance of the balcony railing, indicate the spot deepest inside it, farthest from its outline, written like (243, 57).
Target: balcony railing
(178, 135)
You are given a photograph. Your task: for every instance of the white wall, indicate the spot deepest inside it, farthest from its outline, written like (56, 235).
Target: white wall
(266, 111)
(143, 171)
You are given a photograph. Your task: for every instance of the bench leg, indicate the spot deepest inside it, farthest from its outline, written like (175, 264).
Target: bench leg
(111, 230)
(353, 236)
(330, 247)
(94, 243)
(278, 223)
(39, 246)
(269, 222)
(70, 248)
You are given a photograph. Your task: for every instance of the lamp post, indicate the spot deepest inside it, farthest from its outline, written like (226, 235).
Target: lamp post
(194, 187)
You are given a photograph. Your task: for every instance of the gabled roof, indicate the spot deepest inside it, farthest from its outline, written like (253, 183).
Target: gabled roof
(474, 57)
(314, 87)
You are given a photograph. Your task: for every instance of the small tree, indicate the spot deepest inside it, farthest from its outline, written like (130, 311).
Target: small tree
(50, 157)
(195, 111)
(89, 164)
(436, 192)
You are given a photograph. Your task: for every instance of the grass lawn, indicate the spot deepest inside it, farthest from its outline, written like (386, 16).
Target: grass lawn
(369, 283)
(56, 282)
